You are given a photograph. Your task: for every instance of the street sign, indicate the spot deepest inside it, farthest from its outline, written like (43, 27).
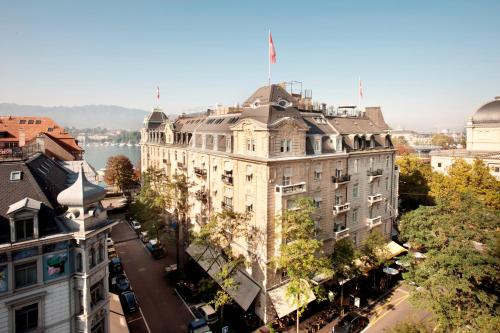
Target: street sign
(225, 329)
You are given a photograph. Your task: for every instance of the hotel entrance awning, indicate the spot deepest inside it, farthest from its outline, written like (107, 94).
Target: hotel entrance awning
(283, 304)
(212, 262)
(393, 249)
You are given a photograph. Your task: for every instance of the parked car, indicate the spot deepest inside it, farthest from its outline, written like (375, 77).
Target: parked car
(115, 266)
(198, 326)
(109, 242)
(120, 283)
(129, 302)
(157, 251)
(351, 323)
(207, 312)
(135, 225)
(143, 236)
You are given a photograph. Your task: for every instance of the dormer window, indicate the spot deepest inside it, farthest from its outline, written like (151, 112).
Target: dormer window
(24, 229)
(15, 176)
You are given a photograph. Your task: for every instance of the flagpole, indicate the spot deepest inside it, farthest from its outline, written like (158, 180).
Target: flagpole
(269, 57)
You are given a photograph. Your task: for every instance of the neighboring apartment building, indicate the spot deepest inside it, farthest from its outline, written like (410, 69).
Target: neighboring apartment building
(39, 134)
(259, 158)
(483, 141)
(53, 254)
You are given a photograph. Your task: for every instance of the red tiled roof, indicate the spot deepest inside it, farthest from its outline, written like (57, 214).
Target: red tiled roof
(32, 127)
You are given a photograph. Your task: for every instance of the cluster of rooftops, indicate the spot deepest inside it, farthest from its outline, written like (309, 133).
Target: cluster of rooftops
(270, 106)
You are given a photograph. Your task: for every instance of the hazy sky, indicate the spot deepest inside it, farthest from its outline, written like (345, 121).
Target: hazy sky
(429, 64)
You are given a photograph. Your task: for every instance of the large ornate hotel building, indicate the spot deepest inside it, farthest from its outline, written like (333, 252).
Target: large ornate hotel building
(262, 156)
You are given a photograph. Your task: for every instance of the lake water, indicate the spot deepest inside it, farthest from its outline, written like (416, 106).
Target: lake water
(98, 156)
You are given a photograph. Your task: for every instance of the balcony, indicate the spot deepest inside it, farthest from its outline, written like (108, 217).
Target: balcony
(181, 166)
(341, 208)
(340, 180)
(372, 174)
(291, 189)
(340, 232)
(201, 195)
(374, 221)
(227, 179)
(200, 172)
(374, 198)
(226, 206)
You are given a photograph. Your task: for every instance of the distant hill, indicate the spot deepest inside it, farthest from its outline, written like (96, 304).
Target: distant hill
(86, 116)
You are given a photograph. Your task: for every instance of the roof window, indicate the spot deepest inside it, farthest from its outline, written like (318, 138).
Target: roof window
(22, 121)
(38, 122)
(31, 122)
(15, 176)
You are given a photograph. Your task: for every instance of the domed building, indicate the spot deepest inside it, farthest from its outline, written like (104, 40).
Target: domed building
(483, 128)
(483, 141)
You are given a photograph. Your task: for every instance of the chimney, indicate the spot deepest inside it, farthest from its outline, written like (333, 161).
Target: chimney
(22, 137)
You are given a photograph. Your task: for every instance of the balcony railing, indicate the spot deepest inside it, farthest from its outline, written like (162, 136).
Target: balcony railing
(341, 208)
(341, 232)
(291, 189)
(226, 206)
(200, 172)
(181, 166)
(227, 179)
(201, 195)
(374, 198)
(372, 174)
(374, 221)
(340, 180)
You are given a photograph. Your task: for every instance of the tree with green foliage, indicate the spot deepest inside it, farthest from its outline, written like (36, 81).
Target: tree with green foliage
(442, 140)
(300, 254)
(178, 204)
(343, 264)
(459, 279)
(119, 172)
(373, 252)
(463, 177)
(410, 327)
(219, 234)
(414, 179)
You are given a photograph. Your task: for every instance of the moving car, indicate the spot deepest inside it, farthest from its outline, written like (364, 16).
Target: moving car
(157, 251)
(207, 312)
(135, 225)
(115, 266)
(129, 302)
(198, 326)
(120, 283)
(351, 323)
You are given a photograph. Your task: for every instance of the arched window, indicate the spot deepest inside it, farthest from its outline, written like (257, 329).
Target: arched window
(79, 262)
(101, 252)
(92, 258)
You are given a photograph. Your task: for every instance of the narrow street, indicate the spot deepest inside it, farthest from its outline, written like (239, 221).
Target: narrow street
(395, 309)
(162, 309)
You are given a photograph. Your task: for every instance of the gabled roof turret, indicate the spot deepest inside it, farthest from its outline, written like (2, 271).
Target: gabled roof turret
(81, 193)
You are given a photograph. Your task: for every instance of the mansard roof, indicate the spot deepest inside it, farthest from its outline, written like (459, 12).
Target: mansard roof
(269, 94)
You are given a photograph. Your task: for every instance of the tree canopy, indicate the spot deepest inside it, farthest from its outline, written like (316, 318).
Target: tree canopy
(298, 253)
(119, 172)
(414, 178)
(463, 178)
(442, 140)
(459, 279)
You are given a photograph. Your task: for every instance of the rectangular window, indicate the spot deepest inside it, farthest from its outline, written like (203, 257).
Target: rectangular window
(253, 145)
(286, 180)
(249, 208)
(355, 238)
(317, 175)
(96, 293)
(386, 184)
(355, 215)
(25, 274)
(290, 204)
(24, 229)
(316, 146)
(497, 169)
(15, 176)
(228, 201)
(249, 178)
(355, 190)
(439, 165)
(26, 318)
(356, 165)
(249, 145)
(286, 146)
(387, 159)
(338, 200)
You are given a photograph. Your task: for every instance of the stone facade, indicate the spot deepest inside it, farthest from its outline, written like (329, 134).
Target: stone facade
(263, 156)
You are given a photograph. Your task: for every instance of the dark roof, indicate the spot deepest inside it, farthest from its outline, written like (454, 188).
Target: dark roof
(218, 124)
(317, 123)
(269, 94)
(42, 179)
(488, 113)
(351, 125)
